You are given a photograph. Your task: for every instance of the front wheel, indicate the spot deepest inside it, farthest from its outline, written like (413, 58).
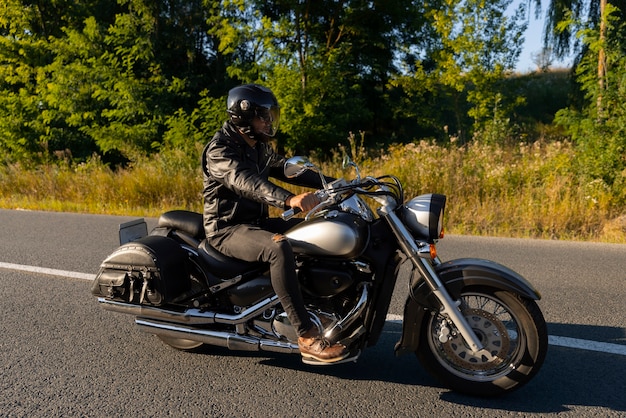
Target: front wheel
(511, 328)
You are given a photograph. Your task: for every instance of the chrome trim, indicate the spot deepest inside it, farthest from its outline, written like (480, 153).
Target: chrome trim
(362, 266)
(190, 316)
(357, 206)
(450, 307)
(229, 340)
(352, 316)
(423, 250)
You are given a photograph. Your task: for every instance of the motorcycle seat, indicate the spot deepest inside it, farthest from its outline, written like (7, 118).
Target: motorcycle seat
(183, 220)
(224, 266)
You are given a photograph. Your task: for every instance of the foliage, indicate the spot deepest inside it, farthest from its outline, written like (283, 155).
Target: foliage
(135, 77)
(91, 78)
(468, 30)
(460, 78)
(566, 18)
(120, 82)
(599, 128)
(520, 190)
(327, 61)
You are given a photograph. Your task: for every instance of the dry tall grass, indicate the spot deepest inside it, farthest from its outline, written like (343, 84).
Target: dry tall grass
(147, 189)
(517, 191)
(521, 191)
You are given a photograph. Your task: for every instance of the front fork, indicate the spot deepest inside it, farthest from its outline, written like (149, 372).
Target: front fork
(449, 306)
(422, 262)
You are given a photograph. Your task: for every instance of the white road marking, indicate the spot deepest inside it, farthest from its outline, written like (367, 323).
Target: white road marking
(552, 339)
(587, 345)
(47, 271)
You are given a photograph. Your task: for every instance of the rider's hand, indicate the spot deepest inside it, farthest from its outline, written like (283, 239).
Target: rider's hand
(304, 201)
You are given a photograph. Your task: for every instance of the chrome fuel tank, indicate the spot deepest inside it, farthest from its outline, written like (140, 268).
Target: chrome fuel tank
(332, 234)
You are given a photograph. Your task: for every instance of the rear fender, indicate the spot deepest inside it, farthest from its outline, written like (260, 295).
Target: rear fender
(456, 275)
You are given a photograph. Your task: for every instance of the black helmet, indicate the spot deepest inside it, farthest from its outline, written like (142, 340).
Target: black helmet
(246, 102)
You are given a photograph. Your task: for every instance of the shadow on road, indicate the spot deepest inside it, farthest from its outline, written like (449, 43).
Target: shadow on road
(569, 377)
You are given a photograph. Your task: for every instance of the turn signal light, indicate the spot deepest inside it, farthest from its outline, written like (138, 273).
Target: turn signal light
(433, 251)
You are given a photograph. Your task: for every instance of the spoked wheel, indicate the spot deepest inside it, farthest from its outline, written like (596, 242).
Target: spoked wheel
(512, 331)
(180, 343)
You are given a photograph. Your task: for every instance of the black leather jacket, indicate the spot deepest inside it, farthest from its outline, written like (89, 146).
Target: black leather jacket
(237, 189)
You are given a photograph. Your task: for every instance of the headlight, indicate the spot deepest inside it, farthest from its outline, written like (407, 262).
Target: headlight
(423, 216)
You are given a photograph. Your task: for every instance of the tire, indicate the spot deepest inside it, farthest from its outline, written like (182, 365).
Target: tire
(181, 343)
(196, 279)
(510, 327)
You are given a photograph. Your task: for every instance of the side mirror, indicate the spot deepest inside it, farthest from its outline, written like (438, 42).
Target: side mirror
(347, 162)
(296, 166)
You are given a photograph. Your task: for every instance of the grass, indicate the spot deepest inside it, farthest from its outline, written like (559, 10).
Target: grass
(147, 189)
(522, 190)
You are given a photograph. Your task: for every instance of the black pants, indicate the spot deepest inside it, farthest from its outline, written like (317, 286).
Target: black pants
(264, 243)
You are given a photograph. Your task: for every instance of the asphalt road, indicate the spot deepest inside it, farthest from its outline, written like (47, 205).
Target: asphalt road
(62, 355)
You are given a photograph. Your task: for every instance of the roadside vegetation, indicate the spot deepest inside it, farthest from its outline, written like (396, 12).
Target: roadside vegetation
(105, 106)
(519, 190)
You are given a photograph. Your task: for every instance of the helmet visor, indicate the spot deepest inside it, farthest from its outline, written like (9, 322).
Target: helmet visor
(270, 118)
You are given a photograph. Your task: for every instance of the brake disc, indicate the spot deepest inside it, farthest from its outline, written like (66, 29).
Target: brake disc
(492, 334)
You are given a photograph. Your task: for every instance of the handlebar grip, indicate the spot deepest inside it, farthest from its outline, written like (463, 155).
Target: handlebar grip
(289, 213)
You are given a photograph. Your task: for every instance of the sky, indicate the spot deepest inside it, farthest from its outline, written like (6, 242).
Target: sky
(532, 45)
(534, 42)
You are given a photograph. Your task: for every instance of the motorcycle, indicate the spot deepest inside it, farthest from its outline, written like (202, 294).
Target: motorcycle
(473, 324)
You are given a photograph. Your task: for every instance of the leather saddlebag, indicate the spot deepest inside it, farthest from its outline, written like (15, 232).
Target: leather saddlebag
(151, 270)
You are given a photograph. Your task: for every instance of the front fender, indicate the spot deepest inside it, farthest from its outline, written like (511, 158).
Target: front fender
(455, 276)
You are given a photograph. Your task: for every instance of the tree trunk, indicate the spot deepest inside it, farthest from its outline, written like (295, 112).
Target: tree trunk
(601, 60)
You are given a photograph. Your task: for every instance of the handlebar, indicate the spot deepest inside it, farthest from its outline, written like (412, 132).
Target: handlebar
(386, 192)
(290, 213)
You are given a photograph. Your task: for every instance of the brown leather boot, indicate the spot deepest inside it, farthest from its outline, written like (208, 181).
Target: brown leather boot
(312, 345)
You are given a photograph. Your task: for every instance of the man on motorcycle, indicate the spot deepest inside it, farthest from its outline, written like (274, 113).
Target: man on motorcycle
(237, 164)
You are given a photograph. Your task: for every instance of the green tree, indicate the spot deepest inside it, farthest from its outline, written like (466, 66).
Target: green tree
(141, 76)
(599, 128)
(96, 77)
(594, 31)
(328, 61)
(479, 45)
(472, 46)
(29, 132)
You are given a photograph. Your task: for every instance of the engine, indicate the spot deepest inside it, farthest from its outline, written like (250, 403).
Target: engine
(325, 279)
(333, 286)
(330, 289)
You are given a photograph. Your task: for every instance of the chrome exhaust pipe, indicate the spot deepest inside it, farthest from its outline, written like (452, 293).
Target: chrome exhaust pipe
(229, 340)
(175, 324)
(190, 316)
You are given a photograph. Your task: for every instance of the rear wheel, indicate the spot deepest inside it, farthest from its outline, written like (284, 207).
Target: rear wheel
(180, 343)
(197, 286)
(512, 331)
